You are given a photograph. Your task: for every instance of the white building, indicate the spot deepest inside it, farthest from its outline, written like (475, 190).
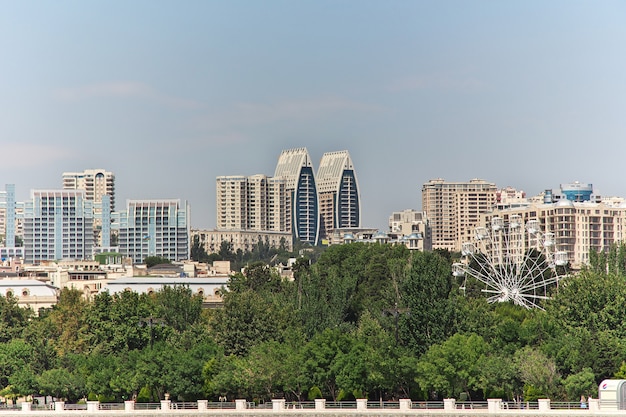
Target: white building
(58, 224)
(153, 228)
(210, 288)
(30, 293)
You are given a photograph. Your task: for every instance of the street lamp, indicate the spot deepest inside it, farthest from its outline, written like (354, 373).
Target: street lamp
(150, 322)
(395, 312)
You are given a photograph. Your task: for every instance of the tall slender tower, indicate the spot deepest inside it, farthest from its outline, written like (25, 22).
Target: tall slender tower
(301, 206)
(339, 198)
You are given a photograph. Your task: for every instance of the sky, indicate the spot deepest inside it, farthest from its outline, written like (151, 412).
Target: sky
(169, 95)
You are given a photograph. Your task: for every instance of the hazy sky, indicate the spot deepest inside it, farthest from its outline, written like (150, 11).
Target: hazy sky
(170, 94)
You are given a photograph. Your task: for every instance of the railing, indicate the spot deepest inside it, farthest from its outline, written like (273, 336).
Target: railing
(341, 404)
(111, 406)
(427, 405)
(449, 405)
(147, 406)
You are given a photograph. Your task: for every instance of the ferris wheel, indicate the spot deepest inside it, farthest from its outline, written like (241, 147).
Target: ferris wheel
(514, 262)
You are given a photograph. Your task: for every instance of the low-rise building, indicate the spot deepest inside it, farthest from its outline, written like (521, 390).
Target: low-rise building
(30, 293)
(210, 288)
(211, 240)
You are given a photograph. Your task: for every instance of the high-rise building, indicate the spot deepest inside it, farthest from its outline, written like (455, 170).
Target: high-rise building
(8, 218)
(301, 203)
(453, 209)
(153, 228)
(232, 202)
(338, 190)
(11, 224)
(95, 183)
(58, 224)
(251, 203)
(292, 200)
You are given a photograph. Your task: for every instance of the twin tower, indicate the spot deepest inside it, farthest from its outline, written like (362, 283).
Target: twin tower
(295, 199)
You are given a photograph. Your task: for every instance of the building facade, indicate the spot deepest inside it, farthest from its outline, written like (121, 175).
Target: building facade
(254, 203)
(58, 224)
(301, 203)
(578, 227)
(245, 240)
(232, 200)
(338, 190)
(284, 203)
(153, 228)
(95, 183)
(411, 225)
(99, 187)
(453, 209)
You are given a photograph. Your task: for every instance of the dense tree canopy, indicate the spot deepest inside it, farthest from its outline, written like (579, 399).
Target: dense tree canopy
(363, 321)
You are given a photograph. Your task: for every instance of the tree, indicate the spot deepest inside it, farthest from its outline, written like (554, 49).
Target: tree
(197, 252)
(428, 293)
(62, 383)
(226, 251)
(23, 382)
(452, 367)
(151, 261)
(255, 277)
(320, 355)
(67, 322)
(178, 307)
(113, 322)
(14, 355)
(250, 318)
(538, 373)
(498, 376)
(579, 384)
(13, 318)
(369, 367)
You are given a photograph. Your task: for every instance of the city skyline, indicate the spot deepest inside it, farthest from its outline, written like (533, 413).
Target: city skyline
(523, 94)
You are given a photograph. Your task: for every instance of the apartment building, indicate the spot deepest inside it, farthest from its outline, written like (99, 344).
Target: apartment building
(578, 227)
(411, 226)
(10, 226)
(284, 203)
(58, 224)
(454, 208)
(95, 183)
(232, 200)
(338, 190)
(99, 187)
(256, 203)
(245, 240)
(153, 228)
(302, 204)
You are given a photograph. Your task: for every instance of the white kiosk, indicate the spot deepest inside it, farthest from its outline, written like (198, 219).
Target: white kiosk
(612, 394)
